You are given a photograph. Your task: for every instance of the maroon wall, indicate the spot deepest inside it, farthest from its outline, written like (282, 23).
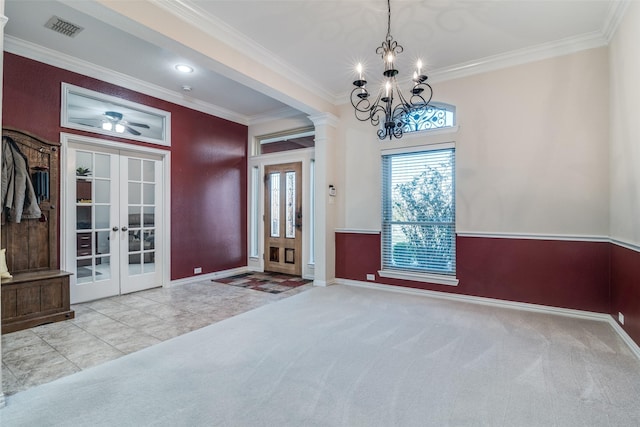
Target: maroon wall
(208, 162)
(625, 288)
(568, 274)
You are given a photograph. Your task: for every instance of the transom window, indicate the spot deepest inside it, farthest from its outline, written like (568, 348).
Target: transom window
(436, 115)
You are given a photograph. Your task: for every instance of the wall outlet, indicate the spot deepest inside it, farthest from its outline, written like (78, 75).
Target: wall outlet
(371, 277)
(621, 318)
(197, 270)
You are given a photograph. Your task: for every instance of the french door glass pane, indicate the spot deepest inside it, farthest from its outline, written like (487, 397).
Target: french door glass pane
(149, 217)
(148, 191)
(103, 166)
(93, 221)
(135, 173)
(148, 171)
(134, 216)
(102, 216)
(142, 199)
(103, 191)
(135, 193)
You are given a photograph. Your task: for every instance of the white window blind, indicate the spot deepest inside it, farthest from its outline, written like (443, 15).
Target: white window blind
(418, 212)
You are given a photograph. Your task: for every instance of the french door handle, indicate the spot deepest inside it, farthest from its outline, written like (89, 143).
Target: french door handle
(124, 229)
(115, 228)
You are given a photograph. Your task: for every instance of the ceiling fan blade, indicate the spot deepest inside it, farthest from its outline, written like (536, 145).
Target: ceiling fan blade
(132, 130)
(140, 125)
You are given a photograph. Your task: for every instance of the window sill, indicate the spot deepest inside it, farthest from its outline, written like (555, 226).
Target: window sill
(420, 277)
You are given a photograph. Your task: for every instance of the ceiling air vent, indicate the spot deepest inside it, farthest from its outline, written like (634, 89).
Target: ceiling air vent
(63, 27)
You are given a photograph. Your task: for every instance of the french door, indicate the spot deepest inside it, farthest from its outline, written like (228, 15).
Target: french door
(113, 217)
(283, 218)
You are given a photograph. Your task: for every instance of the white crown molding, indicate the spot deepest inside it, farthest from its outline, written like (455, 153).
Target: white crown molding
(614, 17)
(220, 30)
(518, 57)
(60, 60)
(510, 59)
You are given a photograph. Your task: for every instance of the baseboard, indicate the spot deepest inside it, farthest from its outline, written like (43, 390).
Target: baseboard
(325, 283)
(210, 276)
(635, 349)
(580, 314)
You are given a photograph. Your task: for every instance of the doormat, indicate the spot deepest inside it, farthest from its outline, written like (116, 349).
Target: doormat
(273, 283)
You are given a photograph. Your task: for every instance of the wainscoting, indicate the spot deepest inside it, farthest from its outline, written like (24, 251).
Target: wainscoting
(589, 275)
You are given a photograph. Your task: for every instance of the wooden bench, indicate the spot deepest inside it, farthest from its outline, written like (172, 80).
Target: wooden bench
(35, 298)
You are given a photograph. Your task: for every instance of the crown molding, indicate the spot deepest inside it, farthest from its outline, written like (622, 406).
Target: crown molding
(510, 59)
(614, 17)
(553, 49)
(220, 30)
(60, 60)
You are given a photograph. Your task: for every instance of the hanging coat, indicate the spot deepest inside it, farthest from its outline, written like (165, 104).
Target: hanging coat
(19, 199)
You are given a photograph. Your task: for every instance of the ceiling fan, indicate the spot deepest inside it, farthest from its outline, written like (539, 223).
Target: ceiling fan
(114, 121)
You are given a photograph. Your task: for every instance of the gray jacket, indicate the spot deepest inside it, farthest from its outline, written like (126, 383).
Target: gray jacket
(18, 197)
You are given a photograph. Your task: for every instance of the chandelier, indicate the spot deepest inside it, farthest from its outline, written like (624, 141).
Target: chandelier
(383, 107)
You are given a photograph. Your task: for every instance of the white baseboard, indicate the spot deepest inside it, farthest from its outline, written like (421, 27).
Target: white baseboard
(210, 276)
(635, 349)
(580, 314)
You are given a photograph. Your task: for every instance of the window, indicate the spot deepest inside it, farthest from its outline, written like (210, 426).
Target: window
(418, 212)
(435, 116)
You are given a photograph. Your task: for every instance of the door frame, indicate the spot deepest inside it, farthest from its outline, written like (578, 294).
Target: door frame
(255, 203)
(164, 253)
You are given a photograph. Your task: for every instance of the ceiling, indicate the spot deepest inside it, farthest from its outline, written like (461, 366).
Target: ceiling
(311, 45)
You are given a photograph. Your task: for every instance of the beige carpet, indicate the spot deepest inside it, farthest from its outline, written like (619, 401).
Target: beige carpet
(345, 356)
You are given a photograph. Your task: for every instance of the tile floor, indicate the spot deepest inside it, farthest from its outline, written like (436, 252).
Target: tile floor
(106, 329)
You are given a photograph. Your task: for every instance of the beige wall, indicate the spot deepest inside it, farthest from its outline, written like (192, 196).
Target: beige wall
(532, 150)
(625, 129)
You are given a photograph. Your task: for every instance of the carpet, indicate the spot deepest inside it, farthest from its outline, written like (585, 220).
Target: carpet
(348, 356)
(273, 283)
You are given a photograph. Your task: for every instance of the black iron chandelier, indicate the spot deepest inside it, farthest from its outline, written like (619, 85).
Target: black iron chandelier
(383, 106)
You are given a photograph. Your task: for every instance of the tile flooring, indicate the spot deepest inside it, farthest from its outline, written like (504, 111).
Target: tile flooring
(106, 329)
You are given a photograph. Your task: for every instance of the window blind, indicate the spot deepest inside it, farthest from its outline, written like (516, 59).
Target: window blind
(418, 212)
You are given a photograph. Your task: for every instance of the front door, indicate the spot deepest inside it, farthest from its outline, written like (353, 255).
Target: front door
(114, 212)
(283, 218)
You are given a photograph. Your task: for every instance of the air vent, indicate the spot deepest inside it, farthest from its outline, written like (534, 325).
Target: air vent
(63, 27)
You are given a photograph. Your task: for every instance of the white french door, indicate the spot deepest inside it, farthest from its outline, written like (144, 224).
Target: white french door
(114, 206)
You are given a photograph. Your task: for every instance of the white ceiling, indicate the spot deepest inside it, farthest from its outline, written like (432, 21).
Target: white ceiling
(313, 42)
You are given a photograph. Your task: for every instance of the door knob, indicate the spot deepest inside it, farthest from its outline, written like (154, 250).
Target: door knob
(124, 228)
(115, 228)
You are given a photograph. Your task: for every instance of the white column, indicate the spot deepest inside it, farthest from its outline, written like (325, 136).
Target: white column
(3, 22)
(325, 205)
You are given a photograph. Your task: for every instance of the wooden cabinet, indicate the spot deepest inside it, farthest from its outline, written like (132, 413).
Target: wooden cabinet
(35, 298)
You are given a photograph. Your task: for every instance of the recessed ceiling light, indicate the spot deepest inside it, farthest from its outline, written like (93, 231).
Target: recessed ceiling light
(184, 68)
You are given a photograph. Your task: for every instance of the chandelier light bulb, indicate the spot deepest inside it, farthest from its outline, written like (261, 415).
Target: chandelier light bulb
(119, 128)
(359, 70)
(107, 126)
(419, 66)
